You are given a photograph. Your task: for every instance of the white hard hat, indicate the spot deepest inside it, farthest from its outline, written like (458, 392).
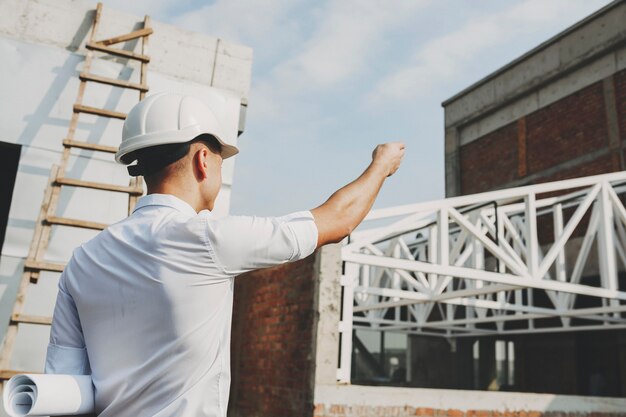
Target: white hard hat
(167, 118)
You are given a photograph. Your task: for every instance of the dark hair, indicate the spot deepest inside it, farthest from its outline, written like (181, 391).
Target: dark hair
(155, 158)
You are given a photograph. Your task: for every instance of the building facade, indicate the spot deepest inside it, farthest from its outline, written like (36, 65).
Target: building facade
(557, 112)
(43, 50)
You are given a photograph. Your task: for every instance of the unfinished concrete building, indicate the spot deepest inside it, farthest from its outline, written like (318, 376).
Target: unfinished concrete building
(44, 46)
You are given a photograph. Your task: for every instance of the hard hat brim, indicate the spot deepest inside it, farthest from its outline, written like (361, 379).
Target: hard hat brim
(228, 150)
(126, 152)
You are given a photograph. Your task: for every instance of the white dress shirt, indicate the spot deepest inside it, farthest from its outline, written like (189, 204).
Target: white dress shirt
(146, 305)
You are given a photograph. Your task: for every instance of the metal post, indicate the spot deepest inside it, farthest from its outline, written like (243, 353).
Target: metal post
(606, 248)
(348, 281)
(532, 242)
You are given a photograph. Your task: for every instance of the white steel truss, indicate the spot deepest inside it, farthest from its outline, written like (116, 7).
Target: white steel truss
(539, 258)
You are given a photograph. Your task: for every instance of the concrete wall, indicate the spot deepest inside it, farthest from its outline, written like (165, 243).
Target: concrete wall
(361, 401)
(185, 55)
(42, 48)
(569, 138)
(556, 112)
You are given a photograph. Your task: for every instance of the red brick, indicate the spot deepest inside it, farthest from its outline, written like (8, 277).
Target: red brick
(600, 165)
(441, 413)
(424, 412)
(337, 409)
(455, 413)
(490, 160)
(566, 129)
(272, 342)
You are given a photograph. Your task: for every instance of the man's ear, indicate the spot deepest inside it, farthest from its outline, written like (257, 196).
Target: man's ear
(201, 163)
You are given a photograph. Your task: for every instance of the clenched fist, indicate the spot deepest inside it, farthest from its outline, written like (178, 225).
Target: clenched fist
(388, 156)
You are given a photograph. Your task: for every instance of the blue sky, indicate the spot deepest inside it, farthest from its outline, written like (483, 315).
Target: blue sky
(333, 78)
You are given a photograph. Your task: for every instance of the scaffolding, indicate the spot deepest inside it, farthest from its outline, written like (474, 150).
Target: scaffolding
(504, 262)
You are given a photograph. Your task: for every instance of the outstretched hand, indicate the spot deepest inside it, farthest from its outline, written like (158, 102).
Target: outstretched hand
(348, 206)
(389, 156)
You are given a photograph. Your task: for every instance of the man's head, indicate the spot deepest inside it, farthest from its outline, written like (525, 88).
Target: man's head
(195, 169)
(178, 143)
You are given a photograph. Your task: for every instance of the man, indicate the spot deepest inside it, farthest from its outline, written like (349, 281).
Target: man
(145, 307)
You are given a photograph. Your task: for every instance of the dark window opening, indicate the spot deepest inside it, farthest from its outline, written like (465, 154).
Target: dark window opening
(584, 363)
(9, 160)
(379, 358)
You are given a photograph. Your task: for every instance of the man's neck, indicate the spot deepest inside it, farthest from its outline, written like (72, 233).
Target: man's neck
(183, 192)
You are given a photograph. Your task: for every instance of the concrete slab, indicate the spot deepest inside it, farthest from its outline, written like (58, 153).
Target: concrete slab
(595, 38)
(502, 117)
(378, 399)
(174, 51)
(570, 83)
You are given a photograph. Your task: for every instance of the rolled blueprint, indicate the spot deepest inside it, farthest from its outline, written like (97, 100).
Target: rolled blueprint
(48, 395)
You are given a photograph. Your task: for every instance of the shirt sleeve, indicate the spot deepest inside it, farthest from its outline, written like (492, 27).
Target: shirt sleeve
(245, 243)
(66, 352)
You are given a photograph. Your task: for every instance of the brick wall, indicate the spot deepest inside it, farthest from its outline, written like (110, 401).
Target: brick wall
(490, 161)
(272, 341)
(570, 128)
(566, 139)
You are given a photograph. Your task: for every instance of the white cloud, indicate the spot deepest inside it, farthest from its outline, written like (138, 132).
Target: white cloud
(254, 23)
(446, 57)
(348, 33)
(344, 36)
(245, 21)
(155, 8)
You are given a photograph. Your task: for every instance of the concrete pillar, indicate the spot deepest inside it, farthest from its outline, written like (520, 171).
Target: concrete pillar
(327, 305)
(608, 86)
(452, 163)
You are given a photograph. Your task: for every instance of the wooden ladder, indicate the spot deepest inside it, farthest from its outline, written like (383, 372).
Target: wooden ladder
(47, 218)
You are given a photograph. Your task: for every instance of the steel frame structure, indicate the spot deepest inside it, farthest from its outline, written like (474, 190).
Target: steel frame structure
(497, 263)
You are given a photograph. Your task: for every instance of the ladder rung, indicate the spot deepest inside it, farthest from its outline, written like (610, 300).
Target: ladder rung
(85, 224)
(80, 108)
(99, 186)
(127, 36)
(89, 146)
(25, 318)
(113, 81)
(9, 373)
(118, 52)
(43, 266)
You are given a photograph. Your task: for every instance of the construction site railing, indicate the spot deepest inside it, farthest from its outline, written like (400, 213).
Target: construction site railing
(510, 261)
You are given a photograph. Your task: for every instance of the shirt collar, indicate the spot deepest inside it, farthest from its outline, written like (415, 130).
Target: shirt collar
(167, 200)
